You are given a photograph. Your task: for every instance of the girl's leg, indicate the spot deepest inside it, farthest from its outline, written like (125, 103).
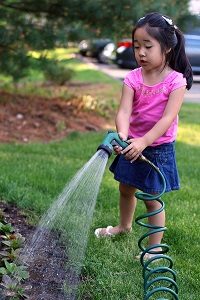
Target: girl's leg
(158, 220)
(127, 204)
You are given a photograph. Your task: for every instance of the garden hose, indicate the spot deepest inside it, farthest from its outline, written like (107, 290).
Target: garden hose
(154, 275)
(151, 271)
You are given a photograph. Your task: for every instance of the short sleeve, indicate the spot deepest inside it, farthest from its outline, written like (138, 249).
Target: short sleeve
(132, 78)
(178, 81)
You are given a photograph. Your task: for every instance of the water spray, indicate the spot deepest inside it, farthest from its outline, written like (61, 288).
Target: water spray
(158, 279)
(56, 251)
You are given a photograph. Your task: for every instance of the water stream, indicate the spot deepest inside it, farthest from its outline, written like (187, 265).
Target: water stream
(57, 249)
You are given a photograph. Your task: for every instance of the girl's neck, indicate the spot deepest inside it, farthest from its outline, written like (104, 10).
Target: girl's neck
(155, 76)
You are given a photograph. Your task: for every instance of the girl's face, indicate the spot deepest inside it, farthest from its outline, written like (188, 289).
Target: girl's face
(148, 51)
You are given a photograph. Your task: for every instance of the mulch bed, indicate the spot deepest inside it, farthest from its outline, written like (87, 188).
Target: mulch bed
(47, 268)
(33, 118)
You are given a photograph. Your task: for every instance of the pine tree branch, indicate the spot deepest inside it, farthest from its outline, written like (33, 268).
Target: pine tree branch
(54, 9)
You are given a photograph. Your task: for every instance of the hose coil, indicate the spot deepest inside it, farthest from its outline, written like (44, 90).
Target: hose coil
(158, 279)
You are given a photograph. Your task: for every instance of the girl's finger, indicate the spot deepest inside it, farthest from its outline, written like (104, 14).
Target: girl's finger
(127, 149)
(135, 157)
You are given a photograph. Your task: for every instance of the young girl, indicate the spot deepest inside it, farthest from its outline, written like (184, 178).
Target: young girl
(152, 96)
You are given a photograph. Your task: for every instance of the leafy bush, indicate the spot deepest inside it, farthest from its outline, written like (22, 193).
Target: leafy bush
(57, 73)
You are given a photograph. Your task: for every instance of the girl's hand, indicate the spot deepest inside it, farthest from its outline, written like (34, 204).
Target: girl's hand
(119, 149)
(134, 149)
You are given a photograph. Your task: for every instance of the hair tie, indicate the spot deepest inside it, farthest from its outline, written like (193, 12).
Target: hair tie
(169, 21)
(140, 19)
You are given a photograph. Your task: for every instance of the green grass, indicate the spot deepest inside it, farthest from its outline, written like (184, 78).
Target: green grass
(86, 73)
(83, 72)
(33, 175)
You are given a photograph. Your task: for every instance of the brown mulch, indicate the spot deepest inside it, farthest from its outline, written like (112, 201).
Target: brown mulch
(17, 218)
(33, 118)
(47, 272)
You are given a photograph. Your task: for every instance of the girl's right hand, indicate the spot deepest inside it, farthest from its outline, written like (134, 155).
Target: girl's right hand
(118, 149)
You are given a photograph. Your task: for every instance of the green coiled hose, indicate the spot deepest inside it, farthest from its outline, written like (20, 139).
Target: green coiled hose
(150, 268)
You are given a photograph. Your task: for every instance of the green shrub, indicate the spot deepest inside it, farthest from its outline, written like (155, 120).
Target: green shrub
(57, 73)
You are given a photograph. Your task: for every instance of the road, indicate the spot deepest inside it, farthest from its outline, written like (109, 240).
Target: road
(193, 95)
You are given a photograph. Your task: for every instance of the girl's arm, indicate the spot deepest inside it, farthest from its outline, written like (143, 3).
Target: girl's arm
(124, 112)
(171, 111)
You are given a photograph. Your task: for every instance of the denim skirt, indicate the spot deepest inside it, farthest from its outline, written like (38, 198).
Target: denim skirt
(143, 176)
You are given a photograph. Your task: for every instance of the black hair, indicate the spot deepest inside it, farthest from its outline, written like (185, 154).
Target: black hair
(161, 28)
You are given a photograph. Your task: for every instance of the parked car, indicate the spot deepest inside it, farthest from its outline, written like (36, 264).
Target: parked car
(125, 55)
(93, 47)
(192, 48)
(83, 47)
(107, 55)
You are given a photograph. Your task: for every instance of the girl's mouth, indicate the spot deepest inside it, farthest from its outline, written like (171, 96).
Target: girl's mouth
(143, 62)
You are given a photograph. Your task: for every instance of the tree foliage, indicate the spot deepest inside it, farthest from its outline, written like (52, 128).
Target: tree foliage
(37, 25)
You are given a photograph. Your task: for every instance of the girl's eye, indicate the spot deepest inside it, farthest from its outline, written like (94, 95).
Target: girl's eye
(148, 47)
(135, 47)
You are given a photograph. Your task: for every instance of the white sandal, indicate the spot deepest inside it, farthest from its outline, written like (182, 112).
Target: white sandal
(106, 234)
(147, 256)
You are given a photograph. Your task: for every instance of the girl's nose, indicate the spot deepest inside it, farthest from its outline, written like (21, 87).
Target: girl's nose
(141, 52)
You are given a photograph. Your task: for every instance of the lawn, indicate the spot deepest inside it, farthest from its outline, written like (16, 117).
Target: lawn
(32, 176)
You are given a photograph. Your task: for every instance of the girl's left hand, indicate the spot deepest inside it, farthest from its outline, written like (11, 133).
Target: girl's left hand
(134, 149)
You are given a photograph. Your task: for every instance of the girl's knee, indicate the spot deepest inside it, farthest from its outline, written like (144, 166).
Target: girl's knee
(126, 190)
(152, 205)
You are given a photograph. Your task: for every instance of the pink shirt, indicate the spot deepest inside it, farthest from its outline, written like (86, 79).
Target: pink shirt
(149, 103)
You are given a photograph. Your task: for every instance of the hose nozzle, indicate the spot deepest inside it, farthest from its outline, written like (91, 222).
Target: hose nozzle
(112, 139)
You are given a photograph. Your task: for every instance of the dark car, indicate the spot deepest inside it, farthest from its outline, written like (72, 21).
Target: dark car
(93, 47)
(125, 55)
(107, 55)
(192, 48)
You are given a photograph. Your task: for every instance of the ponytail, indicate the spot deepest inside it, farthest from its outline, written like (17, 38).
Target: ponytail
(178, 59)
